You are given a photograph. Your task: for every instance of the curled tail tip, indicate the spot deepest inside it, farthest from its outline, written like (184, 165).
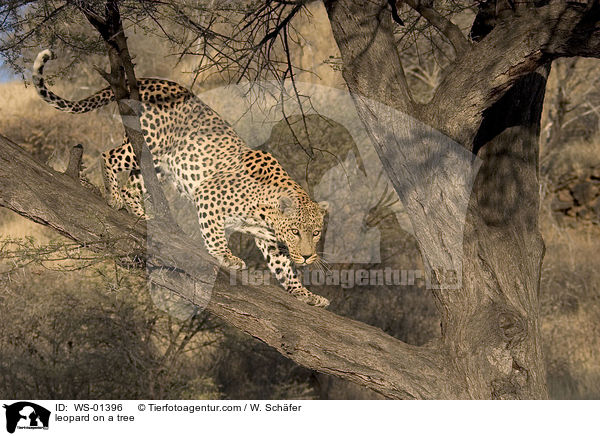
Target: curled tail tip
(47, 52)
(42, 57)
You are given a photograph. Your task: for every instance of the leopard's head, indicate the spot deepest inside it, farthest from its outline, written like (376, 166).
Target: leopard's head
(300, 225)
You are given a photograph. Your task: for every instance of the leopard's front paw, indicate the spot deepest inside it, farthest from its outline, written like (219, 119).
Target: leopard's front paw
(309, 298)
(233, 262)
(139, 211)
(116, 202)
(318, 301)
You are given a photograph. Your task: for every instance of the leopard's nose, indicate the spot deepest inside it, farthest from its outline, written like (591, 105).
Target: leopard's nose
(306, 257)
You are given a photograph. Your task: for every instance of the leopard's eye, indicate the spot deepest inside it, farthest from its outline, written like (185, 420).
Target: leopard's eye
(316, 233)
(295, 232)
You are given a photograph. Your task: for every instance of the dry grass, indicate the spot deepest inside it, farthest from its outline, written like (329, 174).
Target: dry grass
(570, 304)
(11, 225)
(102, 333)
(570, 286)
(574, 160)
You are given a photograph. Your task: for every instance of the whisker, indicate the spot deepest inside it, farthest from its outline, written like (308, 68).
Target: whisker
(316, 265)
(319, 268)
(322, 260)
(323, 265)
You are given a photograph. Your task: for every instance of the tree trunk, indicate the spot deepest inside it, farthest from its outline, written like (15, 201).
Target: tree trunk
(124, 84)
(490, 327)
(474, 215)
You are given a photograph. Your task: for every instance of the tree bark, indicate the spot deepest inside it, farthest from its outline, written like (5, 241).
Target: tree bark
(491, 325)
(517, 45)
(475, 215)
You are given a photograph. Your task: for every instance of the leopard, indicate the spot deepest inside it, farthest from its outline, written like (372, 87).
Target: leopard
(232, 186)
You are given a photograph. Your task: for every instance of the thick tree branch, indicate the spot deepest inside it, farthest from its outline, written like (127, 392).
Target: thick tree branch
(364, 34)
(312, 337)
(517, 46)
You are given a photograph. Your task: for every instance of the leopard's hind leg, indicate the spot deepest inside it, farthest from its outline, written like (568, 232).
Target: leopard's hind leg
(114, 161)
(134, 193)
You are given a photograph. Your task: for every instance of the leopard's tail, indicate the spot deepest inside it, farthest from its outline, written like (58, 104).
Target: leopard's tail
(99, 99)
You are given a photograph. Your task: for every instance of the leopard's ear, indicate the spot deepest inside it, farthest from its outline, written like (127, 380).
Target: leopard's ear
(324, 206)
(286, 205)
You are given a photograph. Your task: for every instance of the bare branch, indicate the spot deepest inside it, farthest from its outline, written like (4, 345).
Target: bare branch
(20, 40)
(280, 25)
(74, 167)
(441, 23)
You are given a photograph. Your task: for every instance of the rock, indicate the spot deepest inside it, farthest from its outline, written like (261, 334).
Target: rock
(584, 192)
(585, 214)
(562, 201)
(564, 196)
(558, 204)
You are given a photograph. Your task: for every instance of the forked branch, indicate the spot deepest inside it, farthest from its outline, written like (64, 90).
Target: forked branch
(517, 46)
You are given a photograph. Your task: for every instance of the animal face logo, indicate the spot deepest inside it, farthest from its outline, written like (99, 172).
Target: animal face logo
(26, 415)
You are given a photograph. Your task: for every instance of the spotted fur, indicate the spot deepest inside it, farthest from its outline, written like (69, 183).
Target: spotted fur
(232, 185)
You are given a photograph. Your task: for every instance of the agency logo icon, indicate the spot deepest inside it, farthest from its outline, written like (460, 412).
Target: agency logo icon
(26, 415)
